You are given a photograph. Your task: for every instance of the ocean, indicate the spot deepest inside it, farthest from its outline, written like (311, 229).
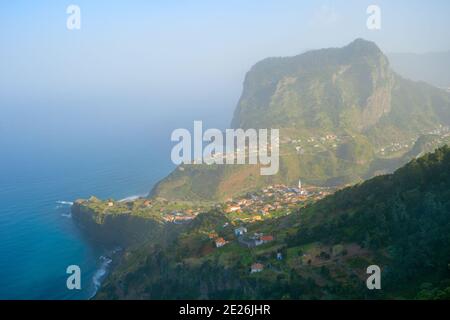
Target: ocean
(51, 156)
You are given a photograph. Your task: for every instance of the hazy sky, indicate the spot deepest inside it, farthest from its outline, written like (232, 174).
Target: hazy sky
(172, 52)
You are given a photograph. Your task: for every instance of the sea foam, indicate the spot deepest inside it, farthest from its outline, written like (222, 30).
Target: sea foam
(67, 203)
(131, 198)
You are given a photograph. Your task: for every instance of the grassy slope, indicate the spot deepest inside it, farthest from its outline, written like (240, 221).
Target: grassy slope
(400, 222)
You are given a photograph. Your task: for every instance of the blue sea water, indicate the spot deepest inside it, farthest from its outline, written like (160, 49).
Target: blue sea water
(51, 156)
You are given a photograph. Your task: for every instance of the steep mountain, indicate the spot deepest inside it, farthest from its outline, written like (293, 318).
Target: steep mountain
(329, 89)
(343, 116)
(399, 222)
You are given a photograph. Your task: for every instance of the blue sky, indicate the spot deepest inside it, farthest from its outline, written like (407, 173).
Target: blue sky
(196, 51)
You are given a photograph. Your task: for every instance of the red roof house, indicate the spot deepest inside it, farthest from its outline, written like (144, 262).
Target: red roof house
(266, 239)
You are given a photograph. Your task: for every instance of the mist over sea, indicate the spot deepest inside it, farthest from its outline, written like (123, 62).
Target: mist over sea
(52, 154)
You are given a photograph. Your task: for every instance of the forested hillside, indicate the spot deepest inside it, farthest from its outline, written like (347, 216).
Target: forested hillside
(400, 222)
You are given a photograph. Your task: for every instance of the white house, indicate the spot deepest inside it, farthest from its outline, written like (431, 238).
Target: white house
(220, 242)
(240, 231)
(256, 267)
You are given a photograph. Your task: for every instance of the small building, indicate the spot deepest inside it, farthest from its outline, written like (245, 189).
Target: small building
(212, 235)
(279, 256)
(266, 239)
(256, 267)
(147, 203)
(182, 219)
(220, 242)
(233, 209)
(110, 204)
(249, 242)
(240, 231)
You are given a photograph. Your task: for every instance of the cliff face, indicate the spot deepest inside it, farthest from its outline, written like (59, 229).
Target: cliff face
(330, 89)
(339, 111)
(350, 89)
(120, 229)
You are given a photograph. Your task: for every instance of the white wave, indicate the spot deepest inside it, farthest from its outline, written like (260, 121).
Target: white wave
(101, 272)
(131, 198)
(67, 203)
(67, 215)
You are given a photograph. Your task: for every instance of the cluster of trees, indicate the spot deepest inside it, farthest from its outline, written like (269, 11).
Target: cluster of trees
(404, 217)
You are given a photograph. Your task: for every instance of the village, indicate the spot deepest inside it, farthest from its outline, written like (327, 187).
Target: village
(247, 241)
(268, 203)
(313, 144)
(271, 202)
(279, 199)
(441, 132)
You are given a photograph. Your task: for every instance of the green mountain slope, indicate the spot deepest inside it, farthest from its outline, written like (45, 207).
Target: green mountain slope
(326, 89)
(343, 116)
(400, 222)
